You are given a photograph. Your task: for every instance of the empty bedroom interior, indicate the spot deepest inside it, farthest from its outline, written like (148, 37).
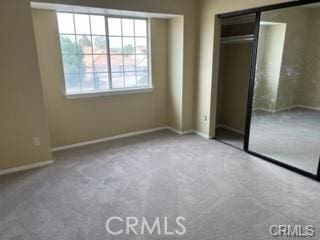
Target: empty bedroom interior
(153, 109)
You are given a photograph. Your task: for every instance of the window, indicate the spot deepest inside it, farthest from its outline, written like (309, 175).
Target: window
(102, 53)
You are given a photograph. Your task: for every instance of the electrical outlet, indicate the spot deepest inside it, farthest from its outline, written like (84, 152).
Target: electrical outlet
(204, 117)
(36, 141)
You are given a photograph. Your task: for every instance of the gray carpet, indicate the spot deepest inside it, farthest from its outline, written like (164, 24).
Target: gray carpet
(291, 136)
(224, 194)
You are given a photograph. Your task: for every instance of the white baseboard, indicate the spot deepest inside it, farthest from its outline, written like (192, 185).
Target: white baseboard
(189, 132)
(106, 139)
(179, 132)
(25, 167)
(230, 128)
(125, 135)
(203, 135)
(308, 107)
(275, 110)
(286, 108)
(46, 163)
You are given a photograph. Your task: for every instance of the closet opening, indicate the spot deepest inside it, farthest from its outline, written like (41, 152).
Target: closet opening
(236, 47)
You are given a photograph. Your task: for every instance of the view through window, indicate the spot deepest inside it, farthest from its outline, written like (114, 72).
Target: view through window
(102, 53)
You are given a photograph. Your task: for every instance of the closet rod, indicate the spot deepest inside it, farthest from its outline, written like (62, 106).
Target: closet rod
(237, 39)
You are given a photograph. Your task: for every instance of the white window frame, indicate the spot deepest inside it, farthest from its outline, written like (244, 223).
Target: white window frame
(111, 91)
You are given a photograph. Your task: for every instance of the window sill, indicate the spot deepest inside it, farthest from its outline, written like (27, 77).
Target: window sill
(107, 93)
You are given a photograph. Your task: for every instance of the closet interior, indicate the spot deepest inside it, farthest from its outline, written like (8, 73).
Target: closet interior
(236, 45)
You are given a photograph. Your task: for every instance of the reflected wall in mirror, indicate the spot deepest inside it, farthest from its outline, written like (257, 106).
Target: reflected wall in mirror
(285, 123)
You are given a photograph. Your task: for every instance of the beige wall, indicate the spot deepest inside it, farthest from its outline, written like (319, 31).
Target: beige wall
(206, 80)
(186, 8)
(21, 100)
(77, 120)
(175, 73)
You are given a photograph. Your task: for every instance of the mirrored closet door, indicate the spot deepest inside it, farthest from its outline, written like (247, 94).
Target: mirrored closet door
(285, 116)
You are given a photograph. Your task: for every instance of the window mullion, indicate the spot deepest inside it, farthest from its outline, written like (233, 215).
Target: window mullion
(135, 52)
(93, 66)
(148, 52)
(123, 75)
(108, 52)
(76, 41)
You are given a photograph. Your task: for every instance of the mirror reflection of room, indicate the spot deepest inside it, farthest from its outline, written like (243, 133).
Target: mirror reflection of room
(285, 124)
(237, 34)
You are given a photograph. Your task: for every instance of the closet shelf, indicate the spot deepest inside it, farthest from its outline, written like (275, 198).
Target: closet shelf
(237, 39)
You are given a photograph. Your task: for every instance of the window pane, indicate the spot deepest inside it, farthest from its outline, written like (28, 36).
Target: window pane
(116, 63)
(128, 45)
(68, 44)
(142, 79)
(84, 44)
(85, 63)
(114, 26)
(127, 27)
(100, 63)
(130, 79)
(115, 45)
(87, 82)
(99, 44)
(102, 81)
(129, 63)
(140, 28)
(117, 80)
(65, 22)
(86, 58)
(82, 23)
(98, 25)
(70, 63)
(142, 62)
(141, 46)
(72, 83)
